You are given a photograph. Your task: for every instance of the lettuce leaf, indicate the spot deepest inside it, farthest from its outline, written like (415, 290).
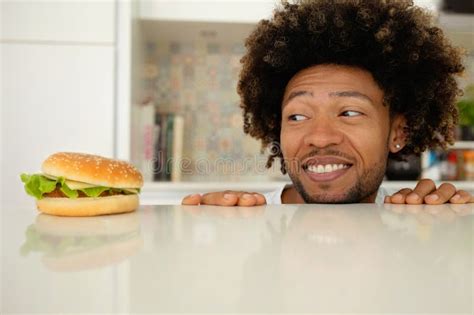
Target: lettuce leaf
(94, 191)
(37, 185)
(69, 192)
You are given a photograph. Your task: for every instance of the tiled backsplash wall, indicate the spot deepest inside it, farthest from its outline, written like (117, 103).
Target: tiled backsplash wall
(198, 80)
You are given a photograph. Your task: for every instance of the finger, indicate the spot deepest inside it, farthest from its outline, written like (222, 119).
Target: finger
(220, 199)
(422, 189)
(247, 200)
(260, 199)
(441, 195)
(461, 196)
(400, 196)
(193, 200)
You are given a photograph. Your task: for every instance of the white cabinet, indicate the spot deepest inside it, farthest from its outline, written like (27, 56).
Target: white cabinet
(229, 11)
(57, 85)
(58, 21)
(54, 98)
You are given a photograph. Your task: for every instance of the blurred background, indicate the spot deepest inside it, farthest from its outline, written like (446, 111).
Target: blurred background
(154, 82)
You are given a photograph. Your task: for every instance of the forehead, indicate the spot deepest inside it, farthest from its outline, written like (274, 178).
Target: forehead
(322, 79)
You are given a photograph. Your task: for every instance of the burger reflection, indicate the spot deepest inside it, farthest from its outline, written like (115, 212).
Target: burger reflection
(69, 244)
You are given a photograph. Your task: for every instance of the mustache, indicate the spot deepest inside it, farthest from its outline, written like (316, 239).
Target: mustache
(328, 152)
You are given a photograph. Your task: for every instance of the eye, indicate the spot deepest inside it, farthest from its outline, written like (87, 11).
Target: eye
(351, 113)
(297, 117)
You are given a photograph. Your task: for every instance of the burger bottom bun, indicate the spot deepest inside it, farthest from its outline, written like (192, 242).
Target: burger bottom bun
(82, 207)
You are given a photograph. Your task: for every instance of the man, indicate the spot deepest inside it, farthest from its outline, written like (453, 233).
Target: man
(340, 87)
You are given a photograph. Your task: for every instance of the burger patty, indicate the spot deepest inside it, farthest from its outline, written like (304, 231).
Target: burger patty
(57, 193)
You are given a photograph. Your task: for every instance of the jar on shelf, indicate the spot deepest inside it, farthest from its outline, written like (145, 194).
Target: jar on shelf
(469, 164)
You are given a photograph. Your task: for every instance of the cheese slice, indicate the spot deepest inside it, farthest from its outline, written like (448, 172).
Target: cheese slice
(74, 185)
(49, 176)
(131, 190)
(77, 185)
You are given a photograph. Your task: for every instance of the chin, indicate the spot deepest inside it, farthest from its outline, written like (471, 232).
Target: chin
(330, 198)
(350, 195)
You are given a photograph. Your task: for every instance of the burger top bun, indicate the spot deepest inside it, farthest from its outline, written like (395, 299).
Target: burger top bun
(93, 169)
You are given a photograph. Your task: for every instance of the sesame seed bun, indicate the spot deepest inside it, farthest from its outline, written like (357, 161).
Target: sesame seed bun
(81, 207)
(93, 169)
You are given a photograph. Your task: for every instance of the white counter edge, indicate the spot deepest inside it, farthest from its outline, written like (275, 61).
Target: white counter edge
(161, 187)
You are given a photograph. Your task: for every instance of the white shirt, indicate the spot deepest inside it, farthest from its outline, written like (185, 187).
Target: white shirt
(274, 197)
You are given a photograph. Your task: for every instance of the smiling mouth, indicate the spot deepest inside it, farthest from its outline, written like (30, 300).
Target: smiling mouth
(326, 172)
(326, 168)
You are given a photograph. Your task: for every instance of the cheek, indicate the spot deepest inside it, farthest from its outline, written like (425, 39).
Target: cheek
(289, 142)
(370, 143)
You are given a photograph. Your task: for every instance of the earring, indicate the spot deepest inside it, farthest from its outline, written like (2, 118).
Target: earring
(398, 146)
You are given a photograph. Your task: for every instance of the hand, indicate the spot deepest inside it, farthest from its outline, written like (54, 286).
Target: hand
(226, 198)
(426, 192)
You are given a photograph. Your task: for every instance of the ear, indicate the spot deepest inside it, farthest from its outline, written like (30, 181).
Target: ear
(397, 136)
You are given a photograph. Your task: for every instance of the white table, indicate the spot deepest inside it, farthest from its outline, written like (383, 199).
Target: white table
(287, 259)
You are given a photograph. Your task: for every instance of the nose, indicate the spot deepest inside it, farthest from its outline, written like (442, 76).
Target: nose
(323, 132)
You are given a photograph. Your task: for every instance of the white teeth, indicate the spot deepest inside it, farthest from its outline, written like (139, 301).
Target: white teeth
(328, 168)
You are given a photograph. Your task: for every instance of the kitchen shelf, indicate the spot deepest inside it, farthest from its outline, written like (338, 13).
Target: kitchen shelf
(236, 11)
(463, 145)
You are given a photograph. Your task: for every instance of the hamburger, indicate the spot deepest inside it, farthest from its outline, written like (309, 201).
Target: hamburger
(74, 244)
(78, 184)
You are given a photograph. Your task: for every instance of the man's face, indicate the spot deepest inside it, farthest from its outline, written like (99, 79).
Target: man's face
(335, 134)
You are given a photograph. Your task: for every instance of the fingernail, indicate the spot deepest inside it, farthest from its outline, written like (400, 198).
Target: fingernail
(414, 196)
(192, 196)
(397, 196)
(228, 196)
(246, 196)
(432, 197)
(456, 197)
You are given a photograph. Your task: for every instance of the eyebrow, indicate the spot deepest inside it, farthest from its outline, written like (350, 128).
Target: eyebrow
(296, 94)
(354, 94)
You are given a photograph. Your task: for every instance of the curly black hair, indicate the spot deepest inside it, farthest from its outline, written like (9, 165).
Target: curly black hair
(398, 43)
